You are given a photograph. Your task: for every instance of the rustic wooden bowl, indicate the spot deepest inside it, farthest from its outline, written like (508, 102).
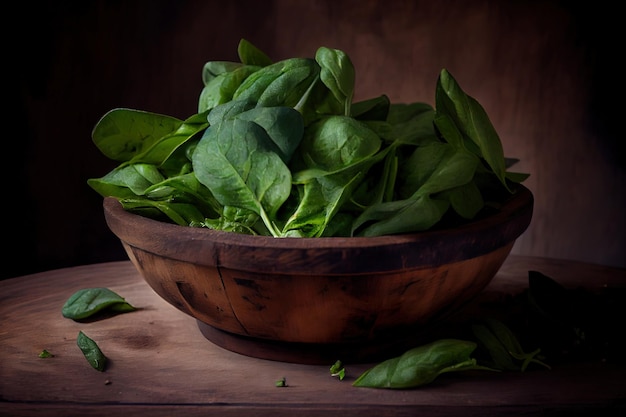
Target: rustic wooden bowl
(310, 300)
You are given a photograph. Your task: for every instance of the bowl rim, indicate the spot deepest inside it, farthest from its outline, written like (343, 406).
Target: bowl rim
(412, 250)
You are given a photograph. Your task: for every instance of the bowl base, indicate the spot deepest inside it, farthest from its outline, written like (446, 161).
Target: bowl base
(310, 353)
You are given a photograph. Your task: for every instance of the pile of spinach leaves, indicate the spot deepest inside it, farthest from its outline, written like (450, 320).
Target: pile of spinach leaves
(281, 149)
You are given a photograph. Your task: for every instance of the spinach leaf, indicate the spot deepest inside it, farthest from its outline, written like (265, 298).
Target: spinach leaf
(283, 83)
(380, 184)
(415, 214)
(91, 351)
(163, 149)
(376, 108)
(222, 78)
(236, 160)
(214, 68)
(415, 128)
(421, 365)
(183, 214)
(335, 142)
(466, 200)
(283, 125)
(234, 219)
(503, 346)
(136, 178)
(337, 73)
(321, 198)
(185, 188)
(337, 151)
(251, 55)
(221, 88)
(472, 120)
(123, 133)
(89, 301)
(437, 168)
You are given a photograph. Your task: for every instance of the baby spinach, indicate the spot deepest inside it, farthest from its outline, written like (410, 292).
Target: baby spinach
(472, 120)
(503, 346)
(123, 133)
(283, 83)
(280, 149)
(89, 301)
(337, 73)
(91, 351)
(421, 365)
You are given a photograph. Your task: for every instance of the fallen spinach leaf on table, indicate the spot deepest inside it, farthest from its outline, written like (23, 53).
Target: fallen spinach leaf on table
(503, 346)
(421, 365)
(91, 351)
(89, 301)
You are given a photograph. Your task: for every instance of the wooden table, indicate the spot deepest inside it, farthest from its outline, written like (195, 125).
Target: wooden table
(160, 364)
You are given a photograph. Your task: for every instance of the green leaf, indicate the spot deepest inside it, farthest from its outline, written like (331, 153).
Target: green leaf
(236, 161)
(214, 68)
(466, 200)
(503, 346)
(500, 356)
(338, 370)
(336, 142)
(322, 197)
(337, 73)
(413, 126)
(183, 214)
(472, 120)
(421, 365)
(137, 178)
(222, 87)
(401, 112)
(251, 55)
(89, 301)
(91, 351)
(283, 125)
(123, 133)
(415, 214)
(163, 148)
(283, 83)
(376, 108)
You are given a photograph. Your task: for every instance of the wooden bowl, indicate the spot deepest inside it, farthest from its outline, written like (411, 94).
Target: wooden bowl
(310, 300)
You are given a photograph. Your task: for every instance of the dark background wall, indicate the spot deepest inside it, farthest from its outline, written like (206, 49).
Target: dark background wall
(546, 72)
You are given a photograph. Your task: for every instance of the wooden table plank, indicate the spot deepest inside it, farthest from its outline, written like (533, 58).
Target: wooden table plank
(160, 362)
